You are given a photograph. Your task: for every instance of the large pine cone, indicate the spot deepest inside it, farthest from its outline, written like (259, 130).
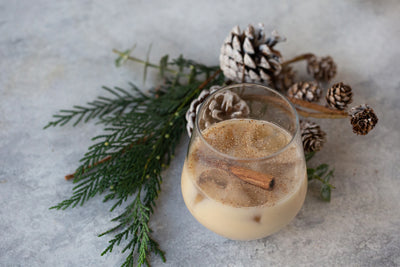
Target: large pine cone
(249, 56)
(339, 96)
(309, 91)
(363, 119)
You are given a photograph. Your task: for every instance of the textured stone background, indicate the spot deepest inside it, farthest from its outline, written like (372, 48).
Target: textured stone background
(54, 54)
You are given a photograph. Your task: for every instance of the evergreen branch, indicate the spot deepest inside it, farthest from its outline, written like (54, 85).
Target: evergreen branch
(122, 101)
(139, 140)
(124, 56)
(309, 155)
(146, 64)
(181, 62)
(165, 145)
(322, 174)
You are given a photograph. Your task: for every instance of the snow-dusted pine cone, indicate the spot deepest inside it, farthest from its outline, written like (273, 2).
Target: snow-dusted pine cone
(285, 79)
(248, 56)
(322, 69)
(309, 91)
(363, 119)
(312, 136)
(194, 107)
(339, 96)
(223, 106)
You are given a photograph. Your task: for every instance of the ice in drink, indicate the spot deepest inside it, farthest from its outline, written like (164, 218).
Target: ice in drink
(230, 206)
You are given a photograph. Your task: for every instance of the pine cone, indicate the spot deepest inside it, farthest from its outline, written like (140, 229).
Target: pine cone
(194, 107)
(323, 69)
(339, 96)
(223, 106)
(363, 119)
(285, 79)
(249, 57)
(309, 91)
(312, 136)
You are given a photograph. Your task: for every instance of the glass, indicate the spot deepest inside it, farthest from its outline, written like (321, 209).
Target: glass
(244, 175)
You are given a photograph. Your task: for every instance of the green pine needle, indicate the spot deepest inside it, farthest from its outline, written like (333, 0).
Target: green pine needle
(322, 174)
(141, 132)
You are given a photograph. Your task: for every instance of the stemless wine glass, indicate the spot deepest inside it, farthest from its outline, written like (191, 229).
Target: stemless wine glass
(244, 175)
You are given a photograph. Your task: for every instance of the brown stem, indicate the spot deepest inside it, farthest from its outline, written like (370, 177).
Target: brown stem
(72, 175)
(317, 107)
(143, 62)
(319, 115)
(298, 58)
(323, 112)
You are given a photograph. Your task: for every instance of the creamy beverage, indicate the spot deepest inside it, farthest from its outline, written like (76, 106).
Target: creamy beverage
(235, 208)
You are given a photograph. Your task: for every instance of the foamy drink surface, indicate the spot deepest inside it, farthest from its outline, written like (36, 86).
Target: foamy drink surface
(250, 144)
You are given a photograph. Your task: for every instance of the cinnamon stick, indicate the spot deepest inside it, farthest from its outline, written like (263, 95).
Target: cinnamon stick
(259, 179)
(263, 180)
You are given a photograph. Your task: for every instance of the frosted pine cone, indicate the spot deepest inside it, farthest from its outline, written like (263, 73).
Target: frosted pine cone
(223, 106)
(339, 96)
(249, 56)
(312, 136)
(194, 107)
(363, 119)
(309, 91)
(322, 69)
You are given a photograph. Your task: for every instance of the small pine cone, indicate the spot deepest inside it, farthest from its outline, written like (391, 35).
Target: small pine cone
(309, 91)
(285, 79)
(248, 56)
(323, 69)
(363, 119)
(223, 106)
(194, 107)
(339, 96)
(312, 136)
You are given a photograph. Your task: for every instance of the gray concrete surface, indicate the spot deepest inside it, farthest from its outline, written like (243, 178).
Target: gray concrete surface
(54, 54)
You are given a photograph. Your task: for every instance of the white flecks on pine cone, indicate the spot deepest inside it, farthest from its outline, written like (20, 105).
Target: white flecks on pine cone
(312, 136)
(248, 56)
(195, 105)
(227, 105)
(223, 106)
(309, 91)
(363, 119)
(339, 96)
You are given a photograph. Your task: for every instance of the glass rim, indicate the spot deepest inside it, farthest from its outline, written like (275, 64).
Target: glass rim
(281, 150)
